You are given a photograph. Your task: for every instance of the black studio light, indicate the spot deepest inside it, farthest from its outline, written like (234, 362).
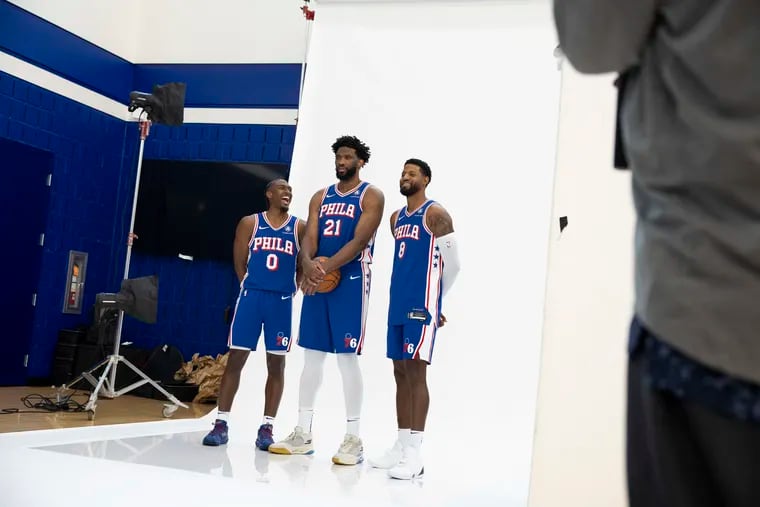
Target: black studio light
(166, 105)
(138, 298)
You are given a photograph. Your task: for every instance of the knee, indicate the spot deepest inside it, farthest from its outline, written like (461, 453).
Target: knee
(416, 372)
(349, 365)
(275, 365)
(312, 364)
(399, 372)
(236, 359)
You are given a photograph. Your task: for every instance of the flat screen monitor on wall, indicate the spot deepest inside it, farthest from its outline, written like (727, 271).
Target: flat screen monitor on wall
(192, 208)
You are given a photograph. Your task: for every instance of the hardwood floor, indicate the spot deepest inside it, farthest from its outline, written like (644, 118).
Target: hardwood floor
(124, 409)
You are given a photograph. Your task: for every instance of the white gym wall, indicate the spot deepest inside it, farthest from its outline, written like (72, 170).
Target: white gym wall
(184, 31)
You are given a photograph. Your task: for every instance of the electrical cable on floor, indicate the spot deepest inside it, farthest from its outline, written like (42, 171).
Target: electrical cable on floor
(45, 404)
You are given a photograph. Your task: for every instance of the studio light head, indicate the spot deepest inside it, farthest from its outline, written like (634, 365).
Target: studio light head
(138, 298)
(166, 105)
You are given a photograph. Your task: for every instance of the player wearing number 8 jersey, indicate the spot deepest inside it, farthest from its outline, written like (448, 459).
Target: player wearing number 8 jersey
(265, 254)
(343, 220)
(425, 265)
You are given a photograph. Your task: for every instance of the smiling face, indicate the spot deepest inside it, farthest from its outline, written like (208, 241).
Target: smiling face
(279, 194)
(412, 180)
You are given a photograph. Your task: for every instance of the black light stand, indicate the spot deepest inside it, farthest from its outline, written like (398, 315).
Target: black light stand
(138, 297)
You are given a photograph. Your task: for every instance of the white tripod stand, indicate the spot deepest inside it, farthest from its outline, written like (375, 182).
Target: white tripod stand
(105, 385)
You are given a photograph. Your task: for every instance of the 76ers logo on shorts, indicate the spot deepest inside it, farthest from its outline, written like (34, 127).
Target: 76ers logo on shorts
(282, 340)
(349, 341)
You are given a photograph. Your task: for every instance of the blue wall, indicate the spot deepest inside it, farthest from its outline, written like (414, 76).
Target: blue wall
(95, 163)
(91, 198)
(91, 154)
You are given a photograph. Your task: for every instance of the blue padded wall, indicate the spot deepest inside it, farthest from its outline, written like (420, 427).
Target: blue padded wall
(91, 154)
(91, 199)
(94, 170)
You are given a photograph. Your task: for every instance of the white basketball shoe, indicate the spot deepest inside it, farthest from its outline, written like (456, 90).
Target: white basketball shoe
(390, 459)
(350, 452)
(410, 466)
(298, 442)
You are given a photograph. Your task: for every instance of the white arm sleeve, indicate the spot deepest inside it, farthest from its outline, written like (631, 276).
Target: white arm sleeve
(447, 246)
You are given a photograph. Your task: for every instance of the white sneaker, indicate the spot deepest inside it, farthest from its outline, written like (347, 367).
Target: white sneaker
(298, 442)
(390, 459)
(410, 466)
(350, 452)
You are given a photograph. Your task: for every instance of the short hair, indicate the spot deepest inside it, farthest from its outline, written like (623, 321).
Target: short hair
(362, 150)
(271, 183)
(424, 167)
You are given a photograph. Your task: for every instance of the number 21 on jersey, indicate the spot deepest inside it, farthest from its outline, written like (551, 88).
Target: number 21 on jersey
(332, 227)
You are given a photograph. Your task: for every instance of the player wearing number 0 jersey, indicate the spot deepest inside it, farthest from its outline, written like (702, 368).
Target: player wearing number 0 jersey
(343, 220)
(265, 255)
(425, 264)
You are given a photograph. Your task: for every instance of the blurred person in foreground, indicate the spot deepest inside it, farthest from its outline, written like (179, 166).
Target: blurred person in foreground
(689, 129)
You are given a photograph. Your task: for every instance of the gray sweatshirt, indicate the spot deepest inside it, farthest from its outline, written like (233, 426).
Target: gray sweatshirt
(690, 120)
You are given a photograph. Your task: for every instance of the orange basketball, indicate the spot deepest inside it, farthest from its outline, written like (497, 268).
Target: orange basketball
(331, 279)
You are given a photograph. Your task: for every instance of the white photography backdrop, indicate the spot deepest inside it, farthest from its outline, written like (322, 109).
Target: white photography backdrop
(473, 89)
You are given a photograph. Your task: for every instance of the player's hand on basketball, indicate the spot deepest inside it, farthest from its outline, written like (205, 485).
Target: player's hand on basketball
(313, 274)
(442, 320)
(309, 288)
(313, 270)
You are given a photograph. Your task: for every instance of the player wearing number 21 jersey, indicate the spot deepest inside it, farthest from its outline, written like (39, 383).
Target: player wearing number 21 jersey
(425, 264)
(343, 220)
(265, 252)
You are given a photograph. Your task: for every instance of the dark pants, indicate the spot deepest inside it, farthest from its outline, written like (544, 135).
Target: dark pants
(682, 454)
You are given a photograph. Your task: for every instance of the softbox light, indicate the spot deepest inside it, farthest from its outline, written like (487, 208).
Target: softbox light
(166, 105)
(138, 298)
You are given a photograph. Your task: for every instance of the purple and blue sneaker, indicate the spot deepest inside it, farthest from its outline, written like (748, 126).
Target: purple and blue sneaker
(264, 439)
(218, 435)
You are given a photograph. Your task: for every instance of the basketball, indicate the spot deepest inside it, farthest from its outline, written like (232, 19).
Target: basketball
(331, 279)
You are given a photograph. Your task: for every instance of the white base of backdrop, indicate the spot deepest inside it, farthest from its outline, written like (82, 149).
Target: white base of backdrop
(473, 89)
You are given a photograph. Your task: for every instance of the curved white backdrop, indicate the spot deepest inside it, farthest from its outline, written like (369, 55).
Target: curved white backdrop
(473, 89)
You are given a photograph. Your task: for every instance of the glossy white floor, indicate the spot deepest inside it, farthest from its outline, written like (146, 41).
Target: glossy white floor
(169, 466)
(164, 463)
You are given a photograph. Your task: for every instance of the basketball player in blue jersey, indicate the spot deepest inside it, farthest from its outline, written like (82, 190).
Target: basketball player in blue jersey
(425, 265)
(265, 254)
(343, 220)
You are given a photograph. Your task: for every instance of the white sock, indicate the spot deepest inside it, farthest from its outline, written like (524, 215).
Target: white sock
(311, 379)
(305, 417)
(353, 388)
(415, 439)
(405, 436)
(223, 416)
(268, 420)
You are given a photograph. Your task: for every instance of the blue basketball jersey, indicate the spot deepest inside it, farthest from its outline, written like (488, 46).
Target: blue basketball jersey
(272, 256)
(417, 269)
(338, 215)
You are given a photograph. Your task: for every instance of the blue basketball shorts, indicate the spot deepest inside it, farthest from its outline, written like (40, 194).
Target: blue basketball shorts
(256, 309)
(411, 340)
(335, 321)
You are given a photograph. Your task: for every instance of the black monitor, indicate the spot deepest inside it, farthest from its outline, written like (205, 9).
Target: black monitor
(192, 208)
